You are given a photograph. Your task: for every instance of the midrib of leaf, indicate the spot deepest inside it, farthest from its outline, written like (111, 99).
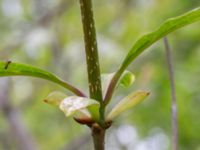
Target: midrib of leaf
(147, 40)
(17, 69)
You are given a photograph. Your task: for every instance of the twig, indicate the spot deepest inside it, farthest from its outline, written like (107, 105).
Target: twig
(173, 94)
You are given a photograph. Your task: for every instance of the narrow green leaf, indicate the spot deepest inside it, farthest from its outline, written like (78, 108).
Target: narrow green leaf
(147, 40)
(167, 27)
(74, 104)
(55, 98)
(17, 69)
(128, 102)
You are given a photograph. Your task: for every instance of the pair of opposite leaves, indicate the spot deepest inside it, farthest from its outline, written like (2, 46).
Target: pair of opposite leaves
(82, 107)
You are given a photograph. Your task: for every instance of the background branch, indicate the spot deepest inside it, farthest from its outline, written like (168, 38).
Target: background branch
(173, 94)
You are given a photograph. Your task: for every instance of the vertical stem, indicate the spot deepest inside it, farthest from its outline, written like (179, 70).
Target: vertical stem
(91, 50)
(98, 135)
(93, 69)
(173, 94)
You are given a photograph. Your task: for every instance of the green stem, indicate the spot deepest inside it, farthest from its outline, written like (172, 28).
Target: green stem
(91, 51)
(93, 69)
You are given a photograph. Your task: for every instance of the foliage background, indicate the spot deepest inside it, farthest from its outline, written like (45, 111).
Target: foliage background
(48, 34)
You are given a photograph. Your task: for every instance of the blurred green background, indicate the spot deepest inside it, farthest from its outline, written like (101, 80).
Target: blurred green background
(48, 34)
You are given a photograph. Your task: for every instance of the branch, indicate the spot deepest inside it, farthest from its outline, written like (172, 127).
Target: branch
(173, 93)
(93, 69)
(91, 52)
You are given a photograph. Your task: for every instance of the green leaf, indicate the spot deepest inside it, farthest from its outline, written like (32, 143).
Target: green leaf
(128, 102)
(167, 27)
(74, 104)
(147, 40)
(55, 98)
(79, 107)
(17, 69)
(126, 79)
